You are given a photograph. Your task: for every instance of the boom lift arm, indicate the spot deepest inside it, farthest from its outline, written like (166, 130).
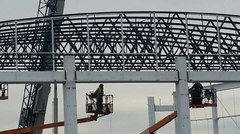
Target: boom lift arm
(160, 124)
(209, 96)
(45, 126)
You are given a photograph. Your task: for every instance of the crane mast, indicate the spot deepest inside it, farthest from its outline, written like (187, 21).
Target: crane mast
(36, 95)
(50, 8)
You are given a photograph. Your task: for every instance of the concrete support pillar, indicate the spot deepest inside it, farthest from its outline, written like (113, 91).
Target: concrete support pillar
(151, 111)
(69, 97)
(184, 126)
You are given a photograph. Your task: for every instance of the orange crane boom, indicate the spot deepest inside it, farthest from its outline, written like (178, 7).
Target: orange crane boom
(160, 124)
(170, 117)
(45, 126)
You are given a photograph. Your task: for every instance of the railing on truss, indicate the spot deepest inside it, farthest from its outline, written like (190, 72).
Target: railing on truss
(124, 41)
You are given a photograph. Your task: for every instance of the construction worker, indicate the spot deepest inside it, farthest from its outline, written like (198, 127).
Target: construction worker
(196, 93)
(99, 96)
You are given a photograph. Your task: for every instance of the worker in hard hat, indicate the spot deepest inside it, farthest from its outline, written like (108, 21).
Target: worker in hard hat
(99, 96)
(196, 93)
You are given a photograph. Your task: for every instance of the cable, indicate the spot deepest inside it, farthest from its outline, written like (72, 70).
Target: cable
(229, 114)
(222, 114)
(110, 123)
(234, 107)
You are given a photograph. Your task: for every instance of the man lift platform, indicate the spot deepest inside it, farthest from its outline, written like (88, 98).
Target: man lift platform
(91, 107)
(45, 126)
(105, 108)
(170, 117)
(3, 91)
(99, 103)
(206, 98)
(197, 99)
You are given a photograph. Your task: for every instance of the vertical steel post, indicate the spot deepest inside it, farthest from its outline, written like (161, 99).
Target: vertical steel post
(123, 45)
(88, 42)
(219, 46)
(188, 52)
(151, 111)
(214, 115)
(55, 99)
(69, 96)
(184, 126)
(175, 104)
(155, 40)
(53, 49)
(55, 108)
(215, 120)
(16, 42)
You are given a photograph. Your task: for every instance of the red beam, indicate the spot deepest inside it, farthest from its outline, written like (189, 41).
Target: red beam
(45, 126)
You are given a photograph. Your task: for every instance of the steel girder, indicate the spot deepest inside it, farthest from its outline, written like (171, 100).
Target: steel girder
(131, 41)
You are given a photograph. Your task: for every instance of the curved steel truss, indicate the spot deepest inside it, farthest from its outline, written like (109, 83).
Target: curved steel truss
(124, 41)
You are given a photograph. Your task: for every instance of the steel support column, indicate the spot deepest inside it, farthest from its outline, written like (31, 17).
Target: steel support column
(69, 97)
(55, 108)
(175, 104)
(151, 111)
(184, 126)
(215, 120)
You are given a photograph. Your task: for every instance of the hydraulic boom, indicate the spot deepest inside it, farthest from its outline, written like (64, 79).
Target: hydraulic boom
(45, 126)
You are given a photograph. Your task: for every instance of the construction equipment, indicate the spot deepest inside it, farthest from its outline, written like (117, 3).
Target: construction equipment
(208, 99)
(160, 124)
(170, 117)
(107, 105)
(45, 126)
(91, 107)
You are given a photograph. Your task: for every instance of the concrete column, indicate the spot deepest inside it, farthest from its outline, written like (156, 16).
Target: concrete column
(69, 97)
(184, 126)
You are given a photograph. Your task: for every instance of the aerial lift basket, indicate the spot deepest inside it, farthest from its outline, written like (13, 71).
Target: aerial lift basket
(91, 104)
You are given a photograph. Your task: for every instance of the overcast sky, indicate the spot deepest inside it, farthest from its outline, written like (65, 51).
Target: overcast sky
(130, 100)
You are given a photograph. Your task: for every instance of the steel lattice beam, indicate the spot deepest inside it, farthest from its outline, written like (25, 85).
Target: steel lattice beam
(134, 41)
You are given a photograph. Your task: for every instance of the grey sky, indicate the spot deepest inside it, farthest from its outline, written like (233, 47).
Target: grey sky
(130, 100)
(11, 9)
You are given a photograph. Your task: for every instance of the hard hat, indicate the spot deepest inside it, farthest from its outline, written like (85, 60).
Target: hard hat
(101, 85)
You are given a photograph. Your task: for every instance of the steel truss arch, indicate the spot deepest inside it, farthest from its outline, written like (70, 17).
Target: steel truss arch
(124, 41)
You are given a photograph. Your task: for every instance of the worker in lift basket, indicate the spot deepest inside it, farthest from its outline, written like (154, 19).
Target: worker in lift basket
(99, 96)
(196, 93)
